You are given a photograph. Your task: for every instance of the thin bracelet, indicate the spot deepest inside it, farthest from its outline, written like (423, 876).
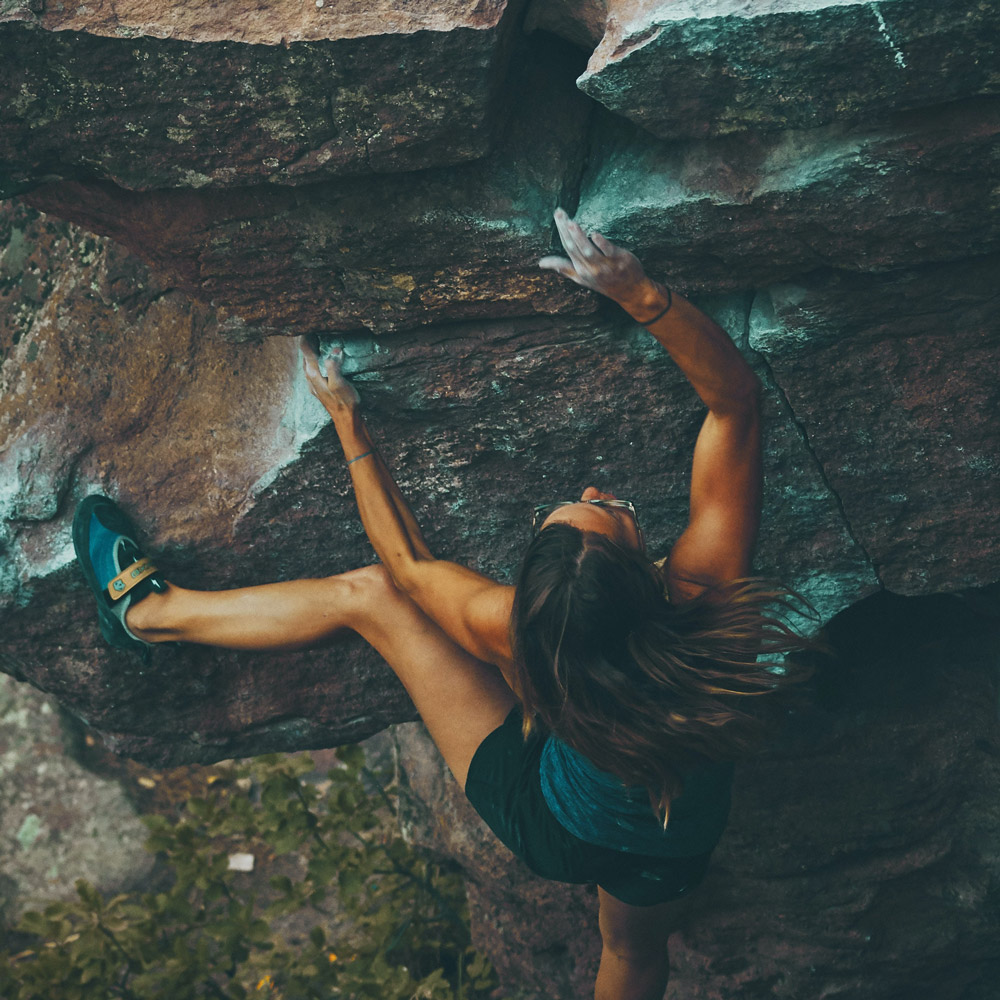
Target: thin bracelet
(663, 312)
(351, 461)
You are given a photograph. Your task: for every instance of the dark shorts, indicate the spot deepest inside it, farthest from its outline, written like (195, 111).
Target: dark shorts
(504, 787)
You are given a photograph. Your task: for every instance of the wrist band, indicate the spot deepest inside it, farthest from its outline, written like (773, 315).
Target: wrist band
(358, 458)
(663, 312)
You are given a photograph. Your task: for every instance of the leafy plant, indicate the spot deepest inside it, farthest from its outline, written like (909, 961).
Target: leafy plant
(209, 935)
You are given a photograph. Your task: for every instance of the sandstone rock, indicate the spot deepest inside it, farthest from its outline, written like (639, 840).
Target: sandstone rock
(753, 209)
(106, 370)
(463, 243)
(154, 95)
(702, 69)
(141, 400)
(382, 253)
(895, 380)
(845, 237)
(480, 422)
(59, 822)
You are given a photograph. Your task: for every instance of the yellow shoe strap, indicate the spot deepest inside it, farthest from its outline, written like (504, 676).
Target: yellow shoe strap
(129, 577)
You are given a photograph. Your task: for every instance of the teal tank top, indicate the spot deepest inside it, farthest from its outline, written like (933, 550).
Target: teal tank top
(599, 808)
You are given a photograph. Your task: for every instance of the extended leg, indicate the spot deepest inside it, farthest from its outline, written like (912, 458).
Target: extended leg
(634, 961)
(460, 699)
(275, 616)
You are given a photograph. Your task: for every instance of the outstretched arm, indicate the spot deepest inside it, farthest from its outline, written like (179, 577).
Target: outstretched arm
(472, 609)
(718, 543)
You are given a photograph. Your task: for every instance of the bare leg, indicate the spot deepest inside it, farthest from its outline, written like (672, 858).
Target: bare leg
(622, 977)
(460, 699)
(634, 961)
(275, 616)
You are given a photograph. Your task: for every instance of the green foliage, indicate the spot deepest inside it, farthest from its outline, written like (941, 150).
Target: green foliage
(208, 935)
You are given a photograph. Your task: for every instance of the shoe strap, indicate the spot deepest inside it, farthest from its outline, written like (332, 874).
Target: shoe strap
(129, 577)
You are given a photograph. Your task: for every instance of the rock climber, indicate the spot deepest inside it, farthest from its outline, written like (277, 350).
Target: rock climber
(593, 711)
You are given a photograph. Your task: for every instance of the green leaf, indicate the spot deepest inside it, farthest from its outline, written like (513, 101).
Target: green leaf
(281, 883)
(88, 894)
(352, 756)
(33, 922)
(350, 881)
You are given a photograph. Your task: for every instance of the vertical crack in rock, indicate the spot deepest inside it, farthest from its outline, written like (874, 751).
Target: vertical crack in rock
(772, 383)
(572, 187)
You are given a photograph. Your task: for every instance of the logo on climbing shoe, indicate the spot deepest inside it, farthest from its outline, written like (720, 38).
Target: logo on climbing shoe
(118, 584)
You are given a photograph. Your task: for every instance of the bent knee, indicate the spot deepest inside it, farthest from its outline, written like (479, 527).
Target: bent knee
(368, 582)
(372, 592)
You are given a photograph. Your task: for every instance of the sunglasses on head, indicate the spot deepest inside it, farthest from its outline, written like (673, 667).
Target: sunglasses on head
(542, 511)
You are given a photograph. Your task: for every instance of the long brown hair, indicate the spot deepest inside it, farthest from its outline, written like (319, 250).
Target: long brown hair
(636, 684)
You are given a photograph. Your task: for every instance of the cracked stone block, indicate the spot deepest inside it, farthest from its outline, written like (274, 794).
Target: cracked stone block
(894, 379)
(380, 253)
(681, 69)
(755, 209)
(154, 95)
(59, 821)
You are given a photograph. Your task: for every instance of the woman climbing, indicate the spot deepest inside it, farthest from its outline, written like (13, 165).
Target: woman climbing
(590, 712)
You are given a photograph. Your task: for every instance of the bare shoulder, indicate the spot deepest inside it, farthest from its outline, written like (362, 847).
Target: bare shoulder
(678, 588)
(489, 618)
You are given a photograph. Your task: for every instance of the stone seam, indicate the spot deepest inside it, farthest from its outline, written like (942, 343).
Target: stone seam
(786, 405)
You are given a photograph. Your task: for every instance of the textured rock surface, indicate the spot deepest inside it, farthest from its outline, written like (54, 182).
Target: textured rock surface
(59, 822)
(249, 495)
(862, 852)
(437, 245)
(752, 209)
(913, 456)
(581, 22)
(462, 243)
(693, 68)
(188, 95)
(834, 209)
(141, 400)
(105, 370)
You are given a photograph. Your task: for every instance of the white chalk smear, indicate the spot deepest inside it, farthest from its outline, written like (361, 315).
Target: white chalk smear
(884, 29)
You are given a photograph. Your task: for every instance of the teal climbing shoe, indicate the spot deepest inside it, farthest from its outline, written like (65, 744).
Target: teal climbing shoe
(117, 572)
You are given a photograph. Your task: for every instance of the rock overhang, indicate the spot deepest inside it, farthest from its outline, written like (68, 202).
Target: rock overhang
(711, 68)
(163, 96)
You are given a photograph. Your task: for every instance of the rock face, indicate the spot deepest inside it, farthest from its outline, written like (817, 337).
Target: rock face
(377, 253)
(698, 69)
(199, 181)
(884, 360)
(289, 92)
(60, 822)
